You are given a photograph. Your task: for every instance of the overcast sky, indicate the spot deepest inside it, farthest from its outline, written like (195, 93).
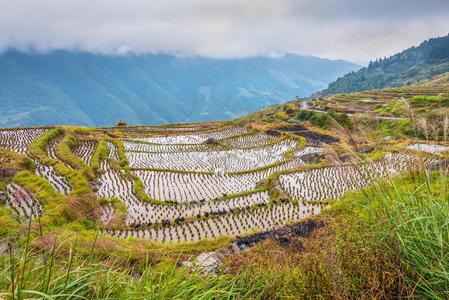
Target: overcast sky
(354, 30)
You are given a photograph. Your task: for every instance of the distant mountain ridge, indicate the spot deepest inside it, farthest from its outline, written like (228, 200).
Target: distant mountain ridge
(409, 67)
(76, 88)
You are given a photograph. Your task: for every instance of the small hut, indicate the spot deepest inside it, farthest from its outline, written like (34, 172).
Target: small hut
(121, 123)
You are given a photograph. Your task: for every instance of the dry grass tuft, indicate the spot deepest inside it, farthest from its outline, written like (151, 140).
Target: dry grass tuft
(81, 206)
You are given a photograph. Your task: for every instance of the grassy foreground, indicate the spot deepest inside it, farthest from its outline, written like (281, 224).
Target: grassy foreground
(390, 240)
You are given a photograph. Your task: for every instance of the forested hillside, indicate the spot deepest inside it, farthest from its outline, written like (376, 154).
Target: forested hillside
(409, 67)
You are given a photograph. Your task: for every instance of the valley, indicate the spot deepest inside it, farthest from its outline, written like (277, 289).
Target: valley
(218, 150)
(331, 196)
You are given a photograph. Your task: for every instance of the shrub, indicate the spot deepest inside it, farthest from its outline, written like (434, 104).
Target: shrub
(444, 99)
(419, 101)
(322, 119)
(387, 108)
(282, 115)
(342, 118)
(317, 119)
(422, 101)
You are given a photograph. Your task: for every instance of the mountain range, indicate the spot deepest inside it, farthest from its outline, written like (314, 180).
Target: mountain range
(80, 88)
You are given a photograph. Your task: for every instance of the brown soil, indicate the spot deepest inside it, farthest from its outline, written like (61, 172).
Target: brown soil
(260, 126)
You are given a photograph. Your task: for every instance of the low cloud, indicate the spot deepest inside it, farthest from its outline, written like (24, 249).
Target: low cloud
(339, 29)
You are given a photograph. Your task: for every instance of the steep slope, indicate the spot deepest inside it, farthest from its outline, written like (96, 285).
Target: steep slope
(93, 90)
(383, 111)
(409, 67)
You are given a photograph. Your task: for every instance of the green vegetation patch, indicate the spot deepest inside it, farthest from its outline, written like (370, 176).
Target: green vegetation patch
(51, 200)
(64, 152)
(322, 120)
(101, 153)
(36, 149)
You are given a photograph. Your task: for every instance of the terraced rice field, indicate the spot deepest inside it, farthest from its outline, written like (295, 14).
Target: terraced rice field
(22, 202)
(157, 148)
(234, 160)
(250, 140)
(195, 138)
(59, 183)
(175, 187)
(50, 147)
(157, 128)
(19, 140)
(188, 187)
(333, 182)
(85, 150)
(308, 150)
(229, 224)
(112, 151)
(429, 148)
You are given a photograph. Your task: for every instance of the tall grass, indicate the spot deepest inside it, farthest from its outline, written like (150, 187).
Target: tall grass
(26, 274)
(416, 211)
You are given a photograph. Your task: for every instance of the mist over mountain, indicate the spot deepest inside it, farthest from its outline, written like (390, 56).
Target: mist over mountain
(80, 88)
